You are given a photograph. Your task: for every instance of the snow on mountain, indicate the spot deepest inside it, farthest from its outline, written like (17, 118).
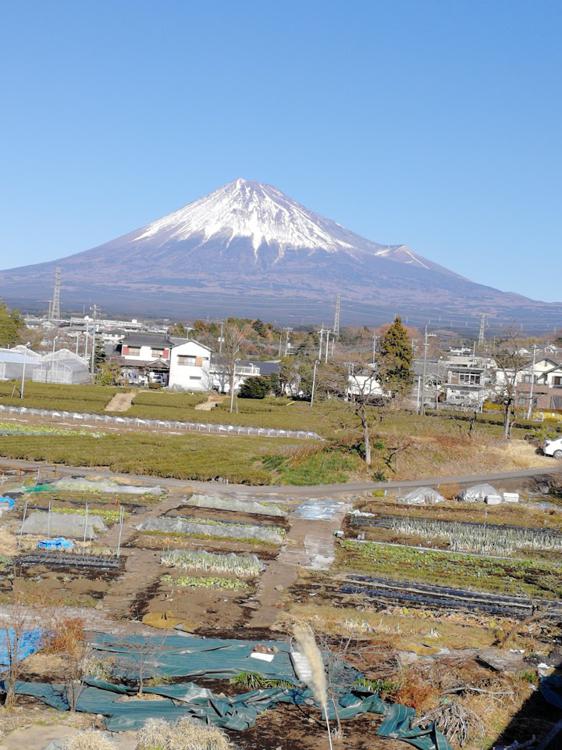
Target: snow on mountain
(249, 249)
(245, 209)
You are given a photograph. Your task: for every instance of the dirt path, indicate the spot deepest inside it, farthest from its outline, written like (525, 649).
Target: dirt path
(309, 544)
(48, 470)
(141, 567)
(210, 403)
(121, 401)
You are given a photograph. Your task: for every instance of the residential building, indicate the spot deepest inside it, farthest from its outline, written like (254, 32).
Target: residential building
(220, 373)
(470, 381)
(190, 367)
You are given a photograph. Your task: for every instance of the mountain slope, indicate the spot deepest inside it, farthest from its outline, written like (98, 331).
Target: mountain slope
(248, 249)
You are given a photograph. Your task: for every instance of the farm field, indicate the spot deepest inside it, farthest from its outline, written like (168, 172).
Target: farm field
(230, 565)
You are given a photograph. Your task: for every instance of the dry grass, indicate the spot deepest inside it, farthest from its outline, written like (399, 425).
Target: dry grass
(67, 636)
(89, 740)
(186, 734)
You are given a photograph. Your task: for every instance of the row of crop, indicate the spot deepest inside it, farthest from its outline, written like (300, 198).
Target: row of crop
(207, 527)
(553, 425)
(482, 539)
(207, 582)
(243, 566)
(10, 429)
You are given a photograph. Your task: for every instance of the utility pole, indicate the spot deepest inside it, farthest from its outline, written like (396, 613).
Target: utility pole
(532, 389)
(316, 363)
(22, 389)
(424, 371)
(287, 344)
(321, 339)
(328, 332)
(93, 363)
(221, 337)
(374, 348)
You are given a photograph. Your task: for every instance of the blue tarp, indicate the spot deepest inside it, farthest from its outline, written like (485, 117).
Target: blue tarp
(7, 501)
(58, 542)
(29, 643)
(188, 656)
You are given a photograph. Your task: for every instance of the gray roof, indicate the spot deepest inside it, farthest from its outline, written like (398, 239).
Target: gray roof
(160, 340)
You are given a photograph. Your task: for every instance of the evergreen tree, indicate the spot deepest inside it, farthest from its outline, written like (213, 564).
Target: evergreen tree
(178, 329)
(395, 359)
(12, 326)
(256, 387)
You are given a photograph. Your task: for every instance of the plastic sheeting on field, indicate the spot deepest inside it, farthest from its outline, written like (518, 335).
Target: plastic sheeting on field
(319, 510)
(7, 503)
(237, 505)
(83, 484)
(422, 496)
(73, 525)
(59, 542)
(208, 527)
(477, 493)
(29, 642)
(217, 658)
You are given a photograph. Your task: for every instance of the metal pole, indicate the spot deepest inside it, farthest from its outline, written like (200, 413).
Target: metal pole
(532, 391)
(418, 395)
(320, 347)
(424, 372)
(121, 517)
(93, 364)
(22, 522)
(374, 348)
(316, 363)
(85, 522)
(23, 373)
(327, 345)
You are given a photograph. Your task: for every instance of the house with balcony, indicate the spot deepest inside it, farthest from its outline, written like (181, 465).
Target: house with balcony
(470, 381)
(190, 367)
(542, 384)
(221, 370)
(144, 358)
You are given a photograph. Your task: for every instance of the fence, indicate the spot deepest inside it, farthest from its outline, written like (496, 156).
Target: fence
(150, 424)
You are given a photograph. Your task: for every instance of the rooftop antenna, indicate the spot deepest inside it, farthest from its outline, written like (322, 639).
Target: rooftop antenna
(54, 305)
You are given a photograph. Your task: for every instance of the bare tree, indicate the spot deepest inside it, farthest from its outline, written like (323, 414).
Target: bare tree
(233, 338)
(357, 383)
(13, 633)
(510, 362)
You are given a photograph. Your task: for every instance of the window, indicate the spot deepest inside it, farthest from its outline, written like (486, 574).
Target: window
(195, 377)
(133, 351)
(157, 352)
(186, 360)
(557, 381)
(469, 378)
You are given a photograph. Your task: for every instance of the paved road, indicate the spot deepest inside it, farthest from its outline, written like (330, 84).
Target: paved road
(48, 470)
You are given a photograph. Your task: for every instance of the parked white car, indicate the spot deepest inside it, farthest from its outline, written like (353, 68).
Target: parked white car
(553, 448)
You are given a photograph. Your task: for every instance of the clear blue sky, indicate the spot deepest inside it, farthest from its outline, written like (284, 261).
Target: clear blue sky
(436, 124)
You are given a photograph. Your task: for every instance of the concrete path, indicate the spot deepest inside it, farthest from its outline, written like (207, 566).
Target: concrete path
(210, 403)
(309, 544)
(121, 401)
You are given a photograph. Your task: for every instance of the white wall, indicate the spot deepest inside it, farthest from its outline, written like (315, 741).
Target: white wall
(189, 367)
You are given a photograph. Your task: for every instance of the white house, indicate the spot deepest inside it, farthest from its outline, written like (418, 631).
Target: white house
(220, 373)
(190, 364)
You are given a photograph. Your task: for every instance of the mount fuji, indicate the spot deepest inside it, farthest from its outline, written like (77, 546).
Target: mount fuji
(248, 249)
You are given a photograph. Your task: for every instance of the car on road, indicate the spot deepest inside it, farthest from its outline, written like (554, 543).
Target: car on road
(553, 448)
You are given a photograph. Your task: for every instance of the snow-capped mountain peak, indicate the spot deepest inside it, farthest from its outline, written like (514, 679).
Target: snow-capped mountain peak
(247, 209)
